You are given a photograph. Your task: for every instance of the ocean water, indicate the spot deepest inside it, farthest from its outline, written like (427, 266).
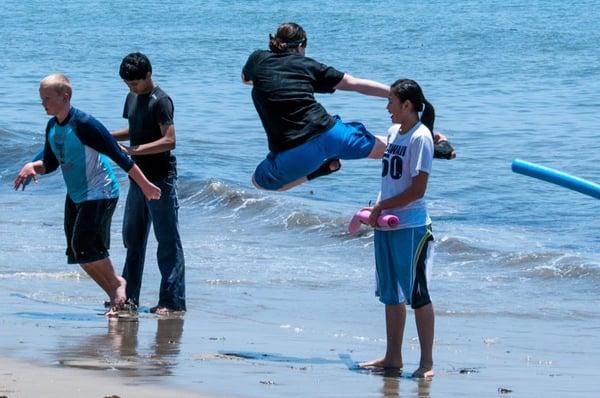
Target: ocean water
(280, 296)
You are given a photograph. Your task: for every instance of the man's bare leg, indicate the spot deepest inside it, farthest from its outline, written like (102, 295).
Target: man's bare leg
(103, 273)
(395, 319)
(425, 320)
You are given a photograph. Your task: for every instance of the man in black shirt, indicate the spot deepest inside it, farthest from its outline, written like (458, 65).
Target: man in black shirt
(151, 132)
(304, 140)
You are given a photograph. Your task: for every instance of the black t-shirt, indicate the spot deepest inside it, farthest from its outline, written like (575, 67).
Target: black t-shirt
(283, 94)
(145, 114)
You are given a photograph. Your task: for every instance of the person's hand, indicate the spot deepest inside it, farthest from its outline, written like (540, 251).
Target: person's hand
(25, 175)
(151, 192)
(442, 147)
(375, 213)
(437, 137)
(125, 149)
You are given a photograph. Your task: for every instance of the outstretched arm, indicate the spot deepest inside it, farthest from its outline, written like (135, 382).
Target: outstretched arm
(363, 86)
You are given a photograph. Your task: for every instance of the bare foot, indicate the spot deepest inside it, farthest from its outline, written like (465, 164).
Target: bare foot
(119, 297)
(424, 372)
(126, 309)
(382, 363)
(112, 313)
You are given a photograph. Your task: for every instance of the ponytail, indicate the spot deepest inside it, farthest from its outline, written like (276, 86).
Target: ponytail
(428, 115)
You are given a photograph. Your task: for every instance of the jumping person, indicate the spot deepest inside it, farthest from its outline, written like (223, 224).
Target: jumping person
(79, 144)
(305, 142)
(403, 254)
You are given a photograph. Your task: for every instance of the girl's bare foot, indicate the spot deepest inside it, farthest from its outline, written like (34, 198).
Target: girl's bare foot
(383, 363)
(424, 372)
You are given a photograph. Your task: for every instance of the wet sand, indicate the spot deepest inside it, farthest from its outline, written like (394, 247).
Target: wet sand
(239, 353)
(24, 379)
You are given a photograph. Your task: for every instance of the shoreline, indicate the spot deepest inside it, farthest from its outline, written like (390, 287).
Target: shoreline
(20, 378)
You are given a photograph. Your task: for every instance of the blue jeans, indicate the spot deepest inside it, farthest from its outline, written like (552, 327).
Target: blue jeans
(342, 141)
(163, 215)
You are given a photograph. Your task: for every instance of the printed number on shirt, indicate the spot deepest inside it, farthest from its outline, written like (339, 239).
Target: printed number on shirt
(392, 164)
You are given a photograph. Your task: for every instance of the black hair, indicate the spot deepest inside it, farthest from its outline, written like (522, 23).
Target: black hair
(407, 89)
(135, 66)
(289, 37)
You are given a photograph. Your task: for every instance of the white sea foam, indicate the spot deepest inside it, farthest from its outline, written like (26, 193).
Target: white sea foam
(66, 275)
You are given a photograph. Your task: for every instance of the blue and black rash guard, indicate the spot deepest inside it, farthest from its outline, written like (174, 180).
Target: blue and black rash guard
(79, 145)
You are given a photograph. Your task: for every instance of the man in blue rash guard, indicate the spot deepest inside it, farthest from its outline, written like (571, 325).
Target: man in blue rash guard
(80, 145)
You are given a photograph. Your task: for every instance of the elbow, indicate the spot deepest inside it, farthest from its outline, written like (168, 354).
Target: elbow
(169, 143)
(417, 194)
(420, 194)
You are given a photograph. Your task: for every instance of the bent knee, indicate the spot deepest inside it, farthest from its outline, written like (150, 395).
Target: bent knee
(256, 185)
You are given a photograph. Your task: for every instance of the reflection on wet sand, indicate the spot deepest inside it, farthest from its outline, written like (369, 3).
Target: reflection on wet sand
(393, 381)
(118, 349)
(168, 337)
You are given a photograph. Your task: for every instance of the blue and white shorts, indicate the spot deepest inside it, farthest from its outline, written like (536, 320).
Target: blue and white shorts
(402, 261)
(342, 141)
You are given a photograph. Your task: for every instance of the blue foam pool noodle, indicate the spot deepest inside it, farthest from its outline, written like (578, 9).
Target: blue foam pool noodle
(556, 177)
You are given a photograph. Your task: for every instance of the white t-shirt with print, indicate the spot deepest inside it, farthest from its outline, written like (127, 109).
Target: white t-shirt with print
(405, 156)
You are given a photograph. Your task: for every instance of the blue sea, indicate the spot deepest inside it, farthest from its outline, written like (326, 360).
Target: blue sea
(280, 297)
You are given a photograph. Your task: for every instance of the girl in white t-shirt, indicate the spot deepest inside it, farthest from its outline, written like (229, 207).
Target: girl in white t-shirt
(403, 254)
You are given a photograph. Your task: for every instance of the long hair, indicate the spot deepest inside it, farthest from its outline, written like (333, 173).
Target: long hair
(407, 89)
(289, 37)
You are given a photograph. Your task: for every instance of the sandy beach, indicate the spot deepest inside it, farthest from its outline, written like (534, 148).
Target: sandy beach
(62, 349)
(20, 379)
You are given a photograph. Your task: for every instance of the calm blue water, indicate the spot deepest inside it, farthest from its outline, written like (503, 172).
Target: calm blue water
(515, 256)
